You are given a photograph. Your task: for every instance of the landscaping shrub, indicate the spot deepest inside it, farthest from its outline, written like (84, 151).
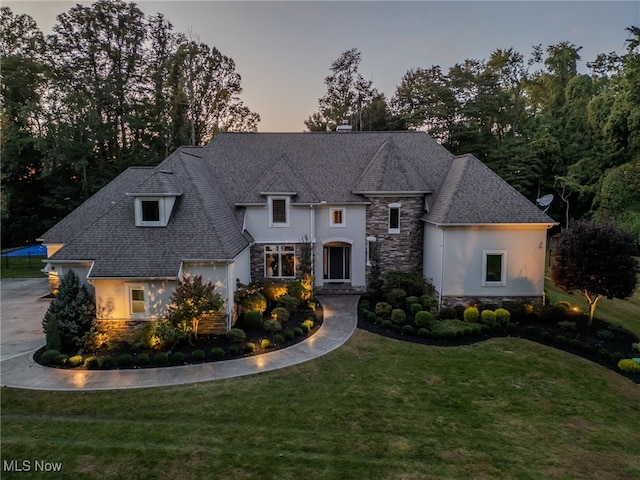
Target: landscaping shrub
(256, 302)
(252, 320)
(271, 326)
(298, 332)
(616, 357)
(383, 309)
(423, 319)
(371, 316)
(447, 313)
(91, 363)
(387, 324)
(288, 302)
(364, 306)
(415, 308)
(76, 361)
(308, 324)
(164, 335)
(604, 354)
(529, 331)
(471, 314)
(511, 327)
(217, 353)
(605, 334)
(161, 358)
(73, 311)
(300, 289)
(61, 359)
(411, 299)
(236, 335)
(265, 343)
(124, 360)
(398, 316)
(105, 362)
(177, 357)
(502, 316)
(412, 283)
(408, 330)
(280, 313)
(234, 350)
(561, 340)
(559, 310)
(274, 289)
(488, 317)
(397, 297)
(287, 334)
(428, 302)
(249, 347)
(565, 325)
(143, 359)
(49, 356)
(424, 332)
(278, 339)
(197, 355)
(629, 365)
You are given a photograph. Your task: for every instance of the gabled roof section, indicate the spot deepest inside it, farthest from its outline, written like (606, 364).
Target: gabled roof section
(472, 194)
(202, 227)
(390, 171)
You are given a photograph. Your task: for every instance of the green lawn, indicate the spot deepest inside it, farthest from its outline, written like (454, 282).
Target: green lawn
(21, 267)
(376, 408)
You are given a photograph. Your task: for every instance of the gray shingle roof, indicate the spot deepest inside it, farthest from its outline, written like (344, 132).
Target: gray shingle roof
(473, 194)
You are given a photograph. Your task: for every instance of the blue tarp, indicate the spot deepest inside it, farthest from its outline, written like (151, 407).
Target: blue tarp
(33, 250)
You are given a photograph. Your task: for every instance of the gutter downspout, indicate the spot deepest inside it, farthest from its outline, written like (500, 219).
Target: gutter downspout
(442, 269)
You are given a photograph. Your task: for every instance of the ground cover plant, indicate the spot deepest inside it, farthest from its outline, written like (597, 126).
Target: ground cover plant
(21, 267)
(376, 408)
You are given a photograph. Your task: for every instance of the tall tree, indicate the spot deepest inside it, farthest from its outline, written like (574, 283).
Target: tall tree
(348, 94)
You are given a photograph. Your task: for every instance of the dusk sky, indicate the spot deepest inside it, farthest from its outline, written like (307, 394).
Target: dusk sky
(283, 50)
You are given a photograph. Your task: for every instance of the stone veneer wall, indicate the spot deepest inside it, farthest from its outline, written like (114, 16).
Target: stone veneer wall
(257, 259)
(400, 251)
(536, 302)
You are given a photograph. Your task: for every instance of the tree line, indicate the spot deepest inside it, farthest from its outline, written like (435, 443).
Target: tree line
(113, 87)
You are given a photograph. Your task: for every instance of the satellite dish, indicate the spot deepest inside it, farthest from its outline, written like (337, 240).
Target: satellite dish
(545, 201)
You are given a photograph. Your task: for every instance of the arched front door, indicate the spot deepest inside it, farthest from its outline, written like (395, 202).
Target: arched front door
(337, 262)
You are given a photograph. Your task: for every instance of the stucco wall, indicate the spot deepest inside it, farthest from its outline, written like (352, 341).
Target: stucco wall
(112, 302)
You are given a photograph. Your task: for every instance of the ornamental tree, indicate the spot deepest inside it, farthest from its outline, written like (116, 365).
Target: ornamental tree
(597, 260)
(191, 300)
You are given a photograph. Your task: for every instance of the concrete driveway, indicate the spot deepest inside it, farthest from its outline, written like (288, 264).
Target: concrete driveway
(22, 308)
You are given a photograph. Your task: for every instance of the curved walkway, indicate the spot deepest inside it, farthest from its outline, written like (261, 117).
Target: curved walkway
(340, 321)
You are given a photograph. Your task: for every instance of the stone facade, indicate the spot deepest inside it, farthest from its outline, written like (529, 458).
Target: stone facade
(535, 302)
(257, 260)
(398, 251)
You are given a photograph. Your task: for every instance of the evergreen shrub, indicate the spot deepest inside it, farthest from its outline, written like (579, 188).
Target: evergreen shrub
(143, 359)
(217, 353)
(197, 355)
(398, 316)
(161, 358)
(471, 314)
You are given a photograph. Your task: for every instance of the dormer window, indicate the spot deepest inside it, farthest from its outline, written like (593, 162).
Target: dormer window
(153, 211)
(150, 210)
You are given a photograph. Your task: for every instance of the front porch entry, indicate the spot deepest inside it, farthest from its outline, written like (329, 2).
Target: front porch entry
(337, 263)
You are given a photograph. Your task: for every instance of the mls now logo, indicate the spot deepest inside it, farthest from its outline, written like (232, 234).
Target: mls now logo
(28, 466)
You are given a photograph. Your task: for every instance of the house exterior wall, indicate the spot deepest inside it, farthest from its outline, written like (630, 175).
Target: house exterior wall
(432, 267)
(463, 250)
(112, 298)
(401, 251)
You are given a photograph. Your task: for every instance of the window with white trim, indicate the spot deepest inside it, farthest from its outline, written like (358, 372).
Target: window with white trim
(278, 211)
(337, 217)
(280, 261)
(150, 212)
(137, 300)
(494, 268)
(394, 218)
(369, 246)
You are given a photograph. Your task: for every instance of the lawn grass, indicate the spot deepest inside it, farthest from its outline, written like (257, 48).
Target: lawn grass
(376, 408)
(21, 267)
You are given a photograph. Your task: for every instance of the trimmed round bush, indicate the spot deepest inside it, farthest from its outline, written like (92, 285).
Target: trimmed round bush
(428, 302)
(236, 335)
(502, 316)
(398, 316)
(75, 361)
(529, 331)
(424, 332)
(408, 330)
(61, 359)
(249, 347)
(308, 324)
(364, 305)
(488, 317)
(256, 302)
(415, 308)
(253, 319)
(271, 326)
(234, 350)
(383, 309)
(397, 296)
(288, 302)
(605, 334)
(280, 314)
(387, 324)
(91, 363)
(49, 356)
(287, 334)
(411, 299)
(511, 327)
(471, 314)
(423, 319)
(177, 357)
(297, 331)
(278, 339)
(217, 353)
(371, 316)
(161, 358)
(105, 362)
(197, 355)
(124, 360)
(629, 365)
(143, 359)
(561, 340)
(265, 343)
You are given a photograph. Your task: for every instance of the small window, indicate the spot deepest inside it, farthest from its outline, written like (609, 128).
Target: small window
(394, 218)
(494, 268)
(136, 300)
(370, 245)
(337, 217)
(278, 212)
(150, 211)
